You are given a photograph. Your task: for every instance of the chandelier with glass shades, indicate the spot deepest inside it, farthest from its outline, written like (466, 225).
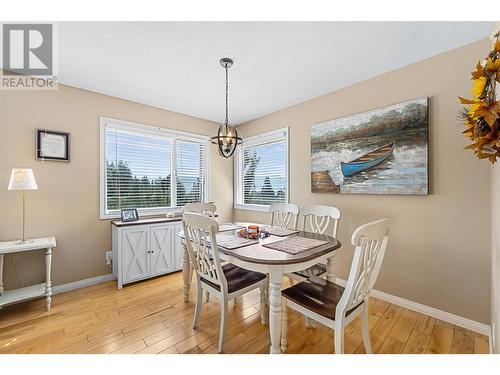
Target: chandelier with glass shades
(227, 137)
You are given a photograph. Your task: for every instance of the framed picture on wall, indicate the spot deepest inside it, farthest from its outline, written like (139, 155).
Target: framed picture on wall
(51, 145)
(381, 151)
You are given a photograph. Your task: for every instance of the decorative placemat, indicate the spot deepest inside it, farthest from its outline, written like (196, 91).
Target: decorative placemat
(295, 245)
(228, 227)
(231, 241)
(280, 232)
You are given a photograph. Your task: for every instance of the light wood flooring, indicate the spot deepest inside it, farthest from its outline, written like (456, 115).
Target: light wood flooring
(151, 317)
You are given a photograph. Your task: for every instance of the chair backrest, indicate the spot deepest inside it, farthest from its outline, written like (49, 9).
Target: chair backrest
(320, 217)
(201, 245)
(282, 213)
(207, 209)
(370, 241)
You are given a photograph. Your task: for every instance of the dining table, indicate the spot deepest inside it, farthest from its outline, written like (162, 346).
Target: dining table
(256, 257)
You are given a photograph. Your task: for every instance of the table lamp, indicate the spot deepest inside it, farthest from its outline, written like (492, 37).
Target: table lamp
(22, 179)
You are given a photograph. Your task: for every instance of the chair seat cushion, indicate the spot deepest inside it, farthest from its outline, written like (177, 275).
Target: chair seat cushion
(316, 270)
(318, 295)
(237, 278)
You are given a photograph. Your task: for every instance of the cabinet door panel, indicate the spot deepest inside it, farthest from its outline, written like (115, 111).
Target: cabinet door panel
(162, 259)
(135, 254)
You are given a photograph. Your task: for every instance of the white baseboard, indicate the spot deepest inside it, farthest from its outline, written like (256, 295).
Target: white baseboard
(81, 283)
(460, 321)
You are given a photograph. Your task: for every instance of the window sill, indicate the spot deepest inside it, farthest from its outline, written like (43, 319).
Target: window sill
(252, 207)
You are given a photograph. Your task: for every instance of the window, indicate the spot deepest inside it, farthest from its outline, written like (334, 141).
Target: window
(261, 171)
(139, 163)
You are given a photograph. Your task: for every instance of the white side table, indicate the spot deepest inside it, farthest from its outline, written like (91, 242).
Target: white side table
(39, 290)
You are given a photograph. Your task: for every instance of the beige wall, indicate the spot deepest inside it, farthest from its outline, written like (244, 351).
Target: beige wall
(439, 250)
(495, 258)
(495, 255)
(67, 202)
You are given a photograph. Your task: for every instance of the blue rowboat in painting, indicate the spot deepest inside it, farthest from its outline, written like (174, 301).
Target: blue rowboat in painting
(368, 160)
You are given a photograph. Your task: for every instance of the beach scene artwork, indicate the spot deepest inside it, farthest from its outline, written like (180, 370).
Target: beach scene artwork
(382, 151)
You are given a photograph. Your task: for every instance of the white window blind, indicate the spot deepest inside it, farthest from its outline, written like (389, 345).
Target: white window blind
(191, 171)
(261, 171)
(140, 162)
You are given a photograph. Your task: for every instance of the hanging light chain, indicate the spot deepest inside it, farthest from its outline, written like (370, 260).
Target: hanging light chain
(227, 89)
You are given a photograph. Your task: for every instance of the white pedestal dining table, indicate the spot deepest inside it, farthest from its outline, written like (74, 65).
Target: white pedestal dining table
(275, 264)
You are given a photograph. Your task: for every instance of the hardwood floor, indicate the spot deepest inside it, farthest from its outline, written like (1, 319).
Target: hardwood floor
(151, 317)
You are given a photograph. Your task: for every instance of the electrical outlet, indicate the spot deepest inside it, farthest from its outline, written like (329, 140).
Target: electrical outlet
(109, 257)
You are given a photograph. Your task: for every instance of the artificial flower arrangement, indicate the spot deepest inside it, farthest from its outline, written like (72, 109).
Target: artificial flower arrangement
(482, 114)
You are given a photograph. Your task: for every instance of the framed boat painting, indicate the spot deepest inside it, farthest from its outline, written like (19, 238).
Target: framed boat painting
(382, 151)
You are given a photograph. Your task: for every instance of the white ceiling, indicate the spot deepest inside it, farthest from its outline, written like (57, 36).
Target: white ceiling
(175, 65)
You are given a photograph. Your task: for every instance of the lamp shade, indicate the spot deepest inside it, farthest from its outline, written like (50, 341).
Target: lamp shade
(22, 179)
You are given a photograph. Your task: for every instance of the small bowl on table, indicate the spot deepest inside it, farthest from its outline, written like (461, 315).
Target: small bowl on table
(252, 232)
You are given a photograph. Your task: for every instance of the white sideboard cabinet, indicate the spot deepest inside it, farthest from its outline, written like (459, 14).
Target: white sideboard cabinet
(146, 248)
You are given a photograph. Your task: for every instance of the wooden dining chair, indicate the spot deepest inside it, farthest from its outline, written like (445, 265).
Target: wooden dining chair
(227, 281)
(316, 219)
(333, 305)
(282, 214)
(207, 209)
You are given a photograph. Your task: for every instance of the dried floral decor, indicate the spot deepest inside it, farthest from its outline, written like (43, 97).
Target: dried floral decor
(482, 114)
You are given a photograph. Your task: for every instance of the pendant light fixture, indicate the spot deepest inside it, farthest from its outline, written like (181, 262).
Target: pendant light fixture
(227, 137)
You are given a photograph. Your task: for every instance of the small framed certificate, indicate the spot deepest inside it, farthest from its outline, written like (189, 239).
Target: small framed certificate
(52, 145)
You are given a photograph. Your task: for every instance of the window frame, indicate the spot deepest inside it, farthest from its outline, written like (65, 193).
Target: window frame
(258, 140)
(144, 129)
